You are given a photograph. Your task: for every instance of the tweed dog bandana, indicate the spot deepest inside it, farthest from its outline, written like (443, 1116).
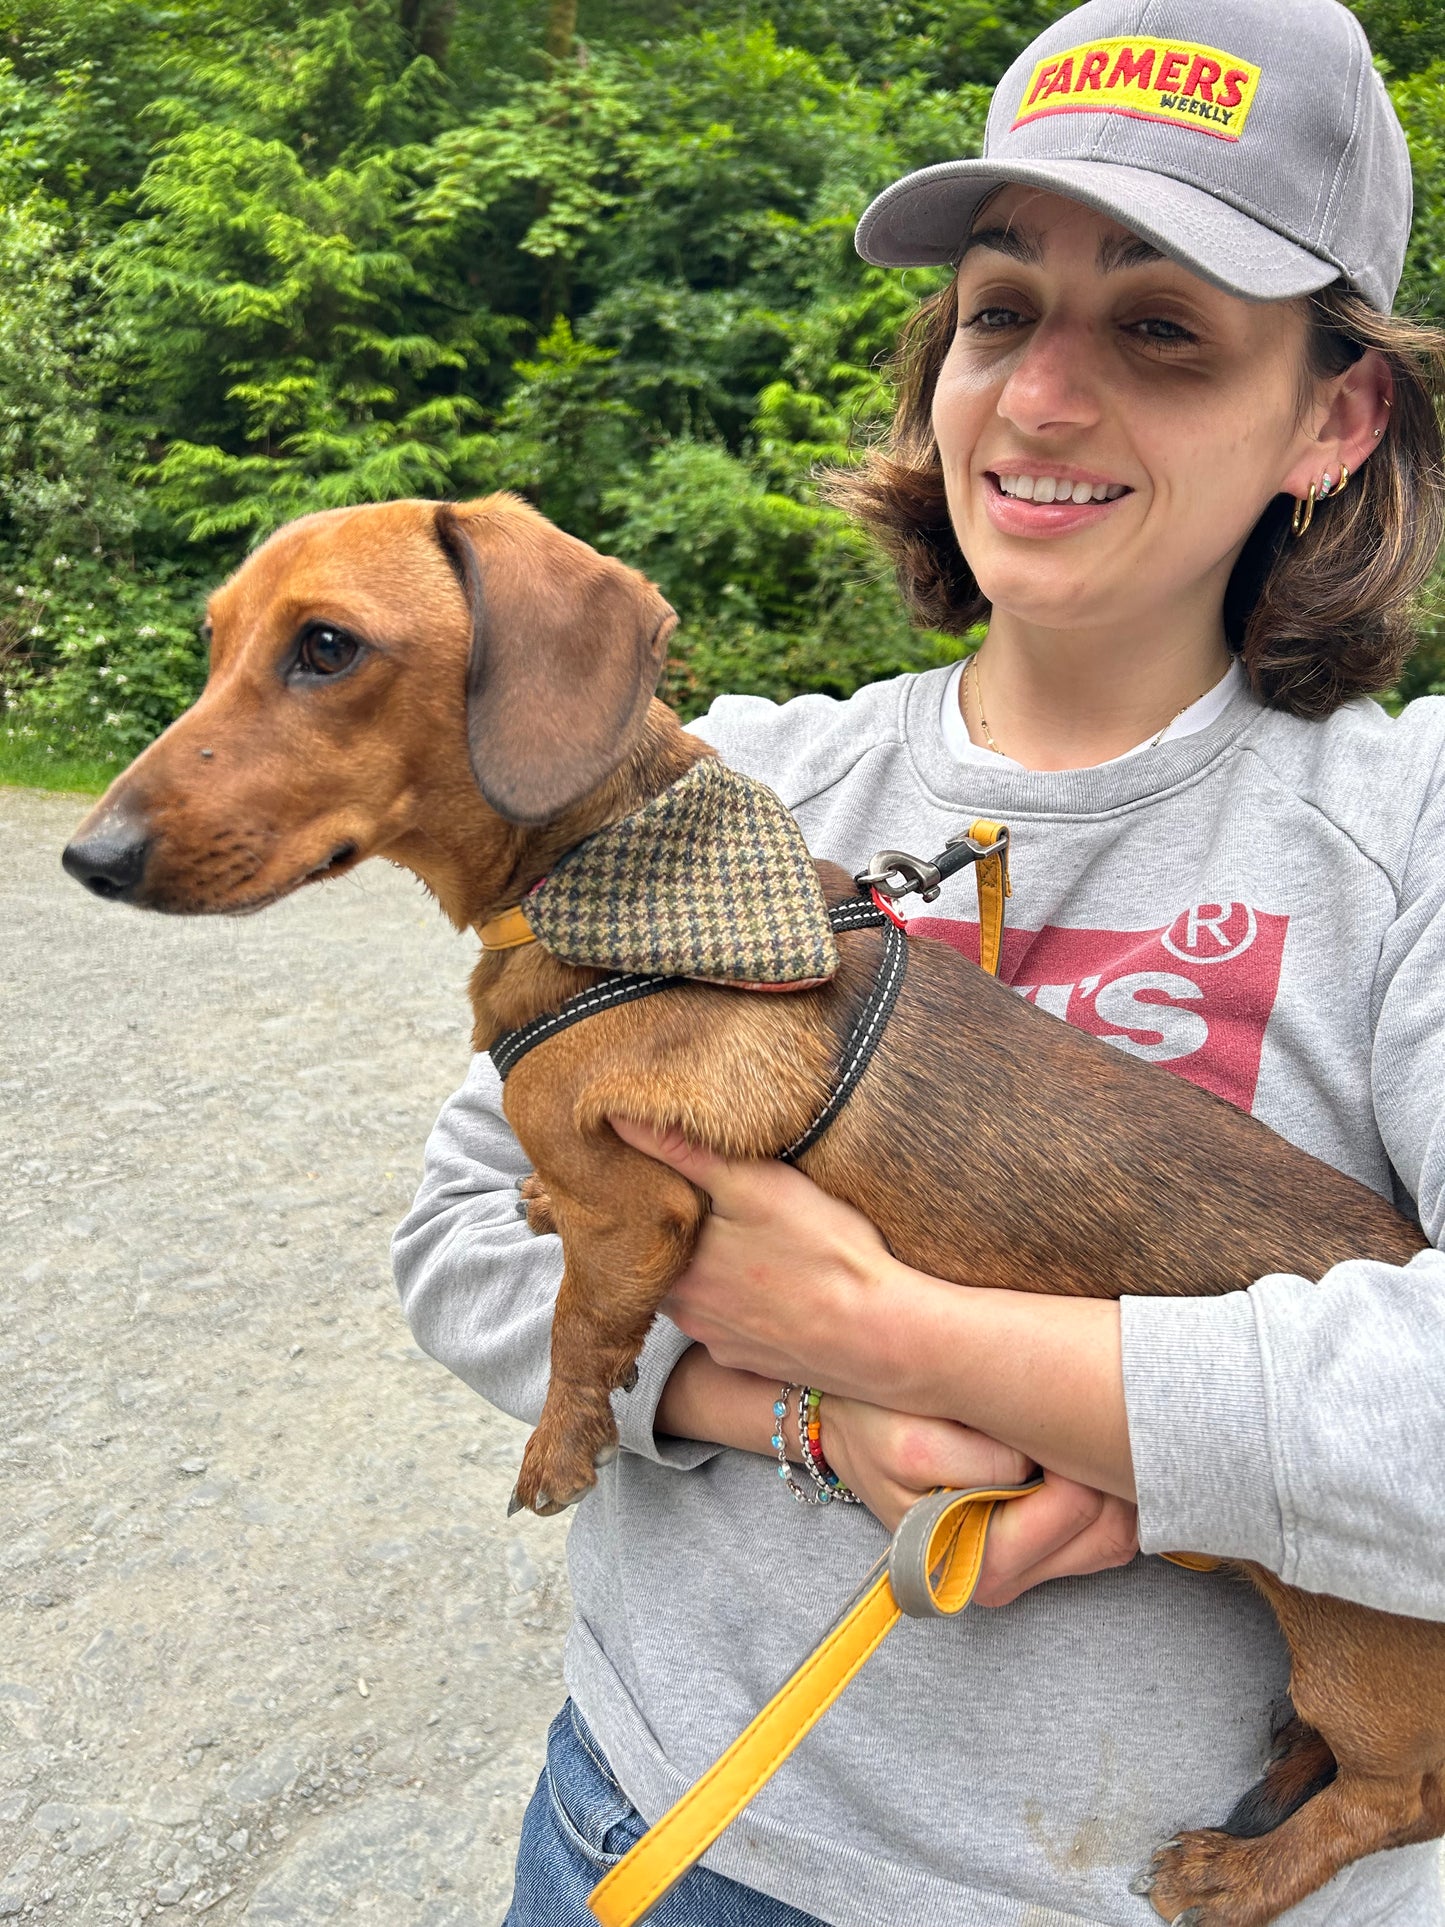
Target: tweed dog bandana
(711, 879)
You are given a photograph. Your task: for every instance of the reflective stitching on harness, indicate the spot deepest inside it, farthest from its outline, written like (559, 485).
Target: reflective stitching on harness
(513, 1045)
(865, 1038)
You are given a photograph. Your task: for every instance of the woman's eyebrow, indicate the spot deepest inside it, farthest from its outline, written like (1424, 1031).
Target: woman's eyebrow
(1116, 251)
(1125, 251)
(1007, 240)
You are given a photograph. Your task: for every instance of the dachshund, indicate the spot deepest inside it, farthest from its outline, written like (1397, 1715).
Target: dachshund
(468, 692)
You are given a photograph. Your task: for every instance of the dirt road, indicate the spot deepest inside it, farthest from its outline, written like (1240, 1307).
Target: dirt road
(269, 1649)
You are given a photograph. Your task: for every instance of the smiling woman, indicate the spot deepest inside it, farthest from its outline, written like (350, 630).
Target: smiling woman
(1162, 436)
(1211, 392)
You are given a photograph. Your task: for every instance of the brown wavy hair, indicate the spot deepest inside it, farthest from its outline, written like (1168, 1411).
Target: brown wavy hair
(1316, 620)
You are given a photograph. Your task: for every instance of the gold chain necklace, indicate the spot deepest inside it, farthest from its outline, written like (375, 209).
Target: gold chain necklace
(971, 671)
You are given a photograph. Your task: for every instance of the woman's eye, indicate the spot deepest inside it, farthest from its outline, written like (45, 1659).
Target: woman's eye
(995, 320)
(326, 652)
(1165, 334)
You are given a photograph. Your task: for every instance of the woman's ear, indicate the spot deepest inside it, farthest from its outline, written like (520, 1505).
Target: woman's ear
(567, 647)
(1356, 415)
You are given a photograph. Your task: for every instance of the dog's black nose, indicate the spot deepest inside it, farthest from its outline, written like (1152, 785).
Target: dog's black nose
(111, 860)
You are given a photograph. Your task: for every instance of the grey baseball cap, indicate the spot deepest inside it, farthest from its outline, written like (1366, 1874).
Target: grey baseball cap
(1249, 140)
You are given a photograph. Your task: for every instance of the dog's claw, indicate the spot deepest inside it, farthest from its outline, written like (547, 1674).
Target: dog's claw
(628, 1381)
(605, 1455)
(514, 1504)
(1142, 1883)
(1191, 1917)
(521, 1207)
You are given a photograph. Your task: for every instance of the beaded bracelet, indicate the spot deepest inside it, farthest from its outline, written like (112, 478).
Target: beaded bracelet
(810, 1441)
(785, 1471)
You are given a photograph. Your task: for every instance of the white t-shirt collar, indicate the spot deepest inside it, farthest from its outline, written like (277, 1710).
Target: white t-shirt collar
(1189, 722)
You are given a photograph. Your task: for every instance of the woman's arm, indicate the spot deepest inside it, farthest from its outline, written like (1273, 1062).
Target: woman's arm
(891, 1459)
(789, 1283)
(1298, 1424)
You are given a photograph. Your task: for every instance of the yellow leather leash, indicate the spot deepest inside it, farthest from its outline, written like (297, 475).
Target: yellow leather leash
(991, 875)
(932, 1567)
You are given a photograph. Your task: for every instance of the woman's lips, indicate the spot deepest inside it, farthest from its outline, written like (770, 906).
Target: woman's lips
(1012, 515)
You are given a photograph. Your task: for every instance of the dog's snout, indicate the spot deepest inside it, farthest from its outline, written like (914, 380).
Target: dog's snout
(111, 860)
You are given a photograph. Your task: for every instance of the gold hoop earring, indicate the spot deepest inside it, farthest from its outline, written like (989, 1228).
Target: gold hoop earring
(1304, 512)
(1344, 477)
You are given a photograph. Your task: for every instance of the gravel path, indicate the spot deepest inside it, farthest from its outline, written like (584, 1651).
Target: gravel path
(269, 1649)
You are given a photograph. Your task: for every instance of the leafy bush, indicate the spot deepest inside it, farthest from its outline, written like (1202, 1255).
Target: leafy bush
(263, 256)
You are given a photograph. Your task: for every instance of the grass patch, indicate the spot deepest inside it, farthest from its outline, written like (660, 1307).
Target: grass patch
(28, 764)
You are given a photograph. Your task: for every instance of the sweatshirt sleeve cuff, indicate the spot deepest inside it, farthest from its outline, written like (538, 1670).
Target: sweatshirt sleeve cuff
(1195, 1392)
(636, 1411)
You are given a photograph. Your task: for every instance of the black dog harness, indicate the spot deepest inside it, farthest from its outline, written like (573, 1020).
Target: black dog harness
(892, 874)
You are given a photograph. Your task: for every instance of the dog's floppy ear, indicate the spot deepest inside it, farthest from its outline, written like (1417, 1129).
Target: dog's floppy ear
(567, 647)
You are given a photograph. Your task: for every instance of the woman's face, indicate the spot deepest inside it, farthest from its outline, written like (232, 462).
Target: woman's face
(1087, 365)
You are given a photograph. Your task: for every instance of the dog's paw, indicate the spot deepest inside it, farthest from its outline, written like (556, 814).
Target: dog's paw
(536, 1206)
(1205, 1879)
(560, 1464)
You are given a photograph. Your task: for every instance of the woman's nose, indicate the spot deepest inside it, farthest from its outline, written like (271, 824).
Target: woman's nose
(1051, 385)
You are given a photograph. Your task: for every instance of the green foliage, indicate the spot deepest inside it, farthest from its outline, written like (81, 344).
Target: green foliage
(259, 257)
(120, 656)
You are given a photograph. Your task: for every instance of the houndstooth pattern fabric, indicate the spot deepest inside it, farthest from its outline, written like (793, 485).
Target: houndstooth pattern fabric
(712, 879)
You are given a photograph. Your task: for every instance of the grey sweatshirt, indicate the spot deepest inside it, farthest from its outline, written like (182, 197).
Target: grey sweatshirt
(1257, 907)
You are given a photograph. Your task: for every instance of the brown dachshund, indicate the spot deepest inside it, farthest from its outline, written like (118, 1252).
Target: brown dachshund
(468, 692)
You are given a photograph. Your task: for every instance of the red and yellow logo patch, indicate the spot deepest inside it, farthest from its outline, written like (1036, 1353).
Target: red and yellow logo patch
(1171, 80)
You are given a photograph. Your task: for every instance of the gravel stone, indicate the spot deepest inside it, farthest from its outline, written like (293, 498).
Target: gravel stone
(232, 1480)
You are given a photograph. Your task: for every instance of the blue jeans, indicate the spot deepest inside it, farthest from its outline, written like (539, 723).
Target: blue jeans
(579, 1823)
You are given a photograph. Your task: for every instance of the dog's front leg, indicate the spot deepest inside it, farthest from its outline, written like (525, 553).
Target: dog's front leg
(628, 1226)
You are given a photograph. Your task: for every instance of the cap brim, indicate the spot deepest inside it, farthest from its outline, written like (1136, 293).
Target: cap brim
(924, 219)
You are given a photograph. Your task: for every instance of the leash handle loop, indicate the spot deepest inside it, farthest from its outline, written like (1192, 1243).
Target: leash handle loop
(943, 1554)
(992, 877)
(937, 1551)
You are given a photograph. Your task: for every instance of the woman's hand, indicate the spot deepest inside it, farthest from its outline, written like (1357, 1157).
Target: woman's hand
(792, 1284)
(891, 1459)
(784, 1280)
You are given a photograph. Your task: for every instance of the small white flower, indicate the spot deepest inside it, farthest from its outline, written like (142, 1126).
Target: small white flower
(145, 630)
(18, 590)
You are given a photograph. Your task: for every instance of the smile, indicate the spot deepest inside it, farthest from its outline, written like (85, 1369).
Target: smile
(1056, 488)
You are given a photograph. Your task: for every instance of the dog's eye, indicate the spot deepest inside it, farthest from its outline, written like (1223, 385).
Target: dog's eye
(326, 652)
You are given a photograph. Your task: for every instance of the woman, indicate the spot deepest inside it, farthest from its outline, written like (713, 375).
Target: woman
(1168, 340)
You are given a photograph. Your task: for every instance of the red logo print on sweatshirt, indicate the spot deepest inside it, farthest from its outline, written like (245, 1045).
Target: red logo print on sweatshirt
(1195, 996)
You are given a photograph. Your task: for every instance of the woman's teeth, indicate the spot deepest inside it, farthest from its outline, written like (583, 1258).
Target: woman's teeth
(1050, 488)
